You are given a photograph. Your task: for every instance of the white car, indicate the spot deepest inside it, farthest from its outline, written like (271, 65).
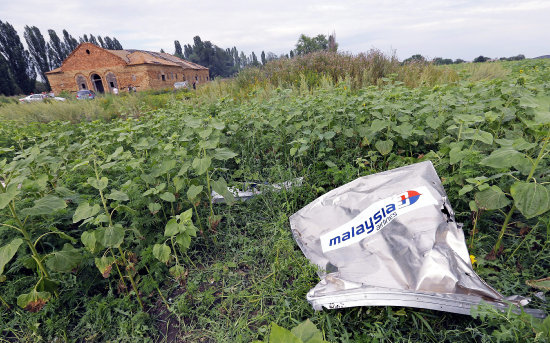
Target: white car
(40, 97)
(179, 85)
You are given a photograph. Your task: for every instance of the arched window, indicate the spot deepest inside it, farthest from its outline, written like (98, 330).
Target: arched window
(111, 80)
(81, 82)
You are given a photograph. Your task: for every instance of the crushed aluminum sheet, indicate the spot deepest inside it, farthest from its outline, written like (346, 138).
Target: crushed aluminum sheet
(391, 239)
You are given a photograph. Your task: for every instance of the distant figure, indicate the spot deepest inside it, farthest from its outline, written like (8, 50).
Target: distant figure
(115, 91)
(129, 88)
(194, 85)
(134, 89)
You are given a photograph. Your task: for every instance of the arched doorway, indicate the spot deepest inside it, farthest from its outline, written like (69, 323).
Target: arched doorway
(98, 84)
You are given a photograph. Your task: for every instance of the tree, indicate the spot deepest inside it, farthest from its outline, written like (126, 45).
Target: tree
(187, 50)
(442, 61)
(270, 56)
(70, 42)
(93, 40)
(306, 45)
(243, 59)
(162, 51)
(178, 51)
(84, 39)
(332, 45)
(220, 62)
(254, 59)
(415, 59)
(262, 56)
(481, 59)
(513, 58)
(57, 51)
(109, 44)
(116, 44)
(291, 53)
(37, 48)
(458, 61)
(7, 85)
(236, 58)
(19, 60)
(101, 42)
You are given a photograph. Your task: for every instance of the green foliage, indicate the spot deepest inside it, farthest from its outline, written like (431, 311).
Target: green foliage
(37, 49)
(305, 332)
(8, 251)
(513, 327)
(115, 215)
(306, 45)
(19, 61)
(480, 59)
(220, 62)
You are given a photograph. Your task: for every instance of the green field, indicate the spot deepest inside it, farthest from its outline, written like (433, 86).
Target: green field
(108, 233)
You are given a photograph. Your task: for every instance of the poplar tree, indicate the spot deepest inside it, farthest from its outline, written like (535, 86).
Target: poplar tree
(93, 40)
(57, 51)
(177, 46)
(254, 59)
(37, 48)
(117, 45)
(70, 42)
(7, 85)
(108, 43)
(262, 56)
(19, 60)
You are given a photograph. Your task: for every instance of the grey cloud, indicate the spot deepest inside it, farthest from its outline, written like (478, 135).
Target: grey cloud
(448, 28)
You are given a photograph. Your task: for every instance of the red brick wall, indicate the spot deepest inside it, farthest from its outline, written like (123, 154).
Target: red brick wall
(101, 62)
(96, 59)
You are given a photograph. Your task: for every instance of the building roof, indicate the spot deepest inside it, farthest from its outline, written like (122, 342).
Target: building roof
(133, 57)
(136, 57)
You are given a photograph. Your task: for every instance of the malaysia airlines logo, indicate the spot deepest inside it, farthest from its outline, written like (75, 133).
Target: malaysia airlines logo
(375, 217)
(408, 198)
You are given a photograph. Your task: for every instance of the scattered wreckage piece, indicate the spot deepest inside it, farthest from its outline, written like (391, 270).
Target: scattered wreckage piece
(253, 189)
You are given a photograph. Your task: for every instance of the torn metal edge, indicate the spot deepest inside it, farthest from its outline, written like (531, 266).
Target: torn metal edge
(377, 296)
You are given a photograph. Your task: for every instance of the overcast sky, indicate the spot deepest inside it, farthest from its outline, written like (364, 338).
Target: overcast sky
(439, 28)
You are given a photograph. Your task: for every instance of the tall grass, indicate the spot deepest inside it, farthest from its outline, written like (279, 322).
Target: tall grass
(312, 70)
(103, 107)
(483, 71)
(4, 100)
(45, 112)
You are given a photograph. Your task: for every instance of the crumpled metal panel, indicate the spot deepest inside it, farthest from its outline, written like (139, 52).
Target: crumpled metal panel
(391, 239)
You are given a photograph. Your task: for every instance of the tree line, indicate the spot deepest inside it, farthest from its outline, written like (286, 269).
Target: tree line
(221, 62)
(444, 61)
(227, 62)
(19, 67)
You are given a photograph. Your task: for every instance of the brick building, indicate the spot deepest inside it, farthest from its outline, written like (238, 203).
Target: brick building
(92, 67)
